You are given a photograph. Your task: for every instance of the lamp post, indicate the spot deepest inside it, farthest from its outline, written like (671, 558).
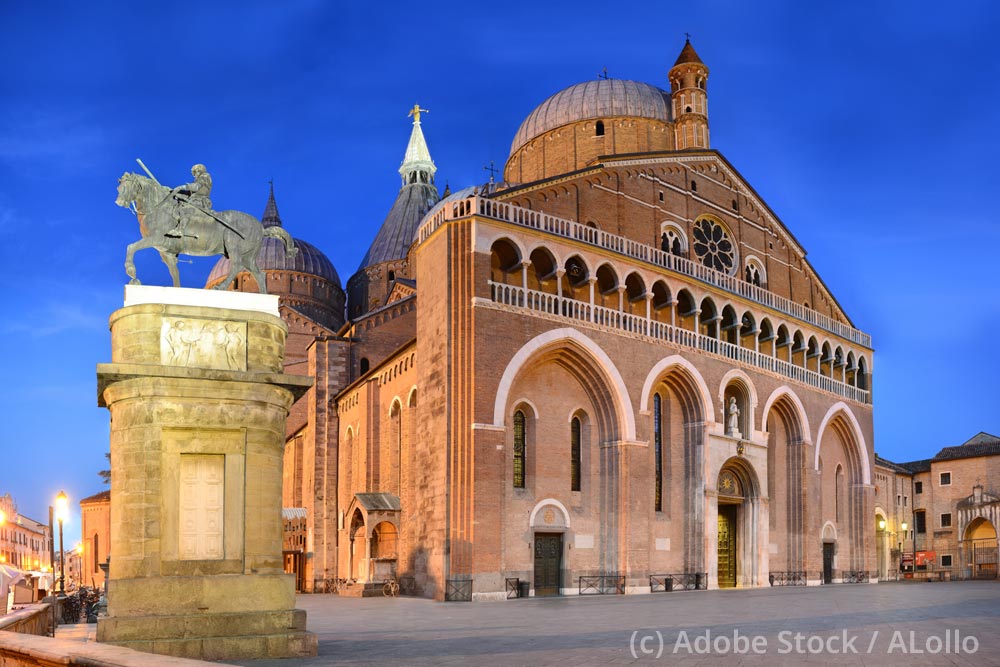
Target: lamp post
(62, 511)
(902, 536)
(883, 567)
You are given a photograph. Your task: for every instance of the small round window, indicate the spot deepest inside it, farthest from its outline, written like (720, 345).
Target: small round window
(713, 247)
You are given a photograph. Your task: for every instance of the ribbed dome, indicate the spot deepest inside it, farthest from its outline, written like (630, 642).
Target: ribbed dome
(272, 256)
(602, 98)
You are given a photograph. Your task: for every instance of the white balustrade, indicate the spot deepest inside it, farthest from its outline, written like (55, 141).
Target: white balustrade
(551, 224)
(551, 304)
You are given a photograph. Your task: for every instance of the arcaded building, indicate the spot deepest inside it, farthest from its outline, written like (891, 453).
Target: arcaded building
(612, 368)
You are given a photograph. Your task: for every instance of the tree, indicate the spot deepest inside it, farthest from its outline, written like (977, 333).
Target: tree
(106, 474)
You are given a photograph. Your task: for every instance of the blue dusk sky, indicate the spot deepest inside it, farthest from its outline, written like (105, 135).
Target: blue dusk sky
(870, 128)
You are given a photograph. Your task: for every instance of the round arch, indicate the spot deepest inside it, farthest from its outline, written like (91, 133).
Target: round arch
(548, 502)
(567, 337)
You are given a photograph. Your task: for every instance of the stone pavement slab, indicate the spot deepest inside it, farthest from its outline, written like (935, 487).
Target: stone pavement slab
(886, 624)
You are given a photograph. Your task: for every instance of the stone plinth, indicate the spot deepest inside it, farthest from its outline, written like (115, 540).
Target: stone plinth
(198, 402)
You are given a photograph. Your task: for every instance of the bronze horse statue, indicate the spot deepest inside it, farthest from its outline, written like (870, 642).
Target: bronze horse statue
(235, 234)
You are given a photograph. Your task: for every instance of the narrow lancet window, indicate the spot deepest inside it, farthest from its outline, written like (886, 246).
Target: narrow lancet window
(518, 450)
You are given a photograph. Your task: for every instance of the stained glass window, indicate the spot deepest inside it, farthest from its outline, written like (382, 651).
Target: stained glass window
(518, 450)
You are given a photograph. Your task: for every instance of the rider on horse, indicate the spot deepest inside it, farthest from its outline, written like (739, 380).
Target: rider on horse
(193, 195)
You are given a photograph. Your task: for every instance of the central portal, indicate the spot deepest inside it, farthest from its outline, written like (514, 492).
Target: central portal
(548, 563)
(727, 546)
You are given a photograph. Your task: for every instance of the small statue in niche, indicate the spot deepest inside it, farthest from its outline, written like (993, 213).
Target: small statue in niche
(733, 422)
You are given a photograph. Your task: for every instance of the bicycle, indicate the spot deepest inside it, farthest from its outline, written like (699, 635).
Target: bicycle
(390, 588)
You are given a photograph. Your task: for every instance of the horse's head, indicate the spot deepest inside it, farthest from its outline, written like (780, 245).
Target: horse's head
(129, 187)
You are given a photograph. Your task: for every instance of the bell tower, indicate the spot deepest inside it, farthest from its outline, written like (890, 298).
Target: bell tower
(688, 85)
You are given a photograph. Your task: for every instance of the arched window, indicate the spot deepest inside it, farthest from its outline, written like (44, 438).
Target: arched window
(599, 129)
(364, 365)
(518, 450)
(574, 454)
(839, 492)
(97, 552)
(658, 452)
(673, 239)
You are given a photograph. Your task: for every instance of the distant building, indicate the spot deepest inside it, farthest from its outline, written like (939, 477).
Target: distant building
(24, 542)
(951, 505)
(24, 547)
(95, 536)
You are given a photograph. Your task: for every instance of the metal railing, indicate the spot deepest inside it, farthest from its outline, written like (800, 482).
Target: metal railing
(684, 581)
(787, 578)
(407, 586)
(569, 229)
(551, 304)
(458, 590)
(602, 584)
(855, 577)
(513, 586)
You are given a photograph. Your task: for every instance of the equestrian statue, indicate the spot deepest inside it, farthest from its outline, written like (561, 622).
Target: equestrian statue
(180, 220)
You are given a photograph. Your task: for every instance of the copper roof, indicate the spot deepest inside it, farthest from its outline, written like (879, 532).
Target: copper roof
(602, 98)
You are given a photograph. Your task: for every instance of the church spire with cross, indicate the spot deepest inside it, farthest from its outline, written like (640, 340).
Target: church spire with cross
(385, 260)
(417, 167)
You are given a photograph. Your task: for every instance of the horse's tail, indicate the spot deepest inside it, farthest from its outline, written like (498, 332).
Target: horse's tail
(276, 232)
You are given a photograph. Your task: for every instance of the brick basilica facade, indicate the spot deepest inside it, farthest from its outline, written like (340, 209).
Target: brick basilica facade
(615, 363)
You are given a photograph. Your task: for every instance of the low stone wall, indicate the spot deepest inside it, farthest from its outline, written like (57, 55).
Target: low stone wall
(23, 650)
(33, 620)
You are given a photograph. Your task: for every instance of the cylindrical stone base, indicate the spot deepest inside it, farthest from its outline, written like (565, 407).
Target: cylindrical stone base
(198, 405)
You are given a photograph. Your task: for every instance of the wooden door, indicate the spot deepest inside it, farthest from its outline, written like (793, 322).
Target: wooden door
(727, 546)
(828, 562)
(548, 563)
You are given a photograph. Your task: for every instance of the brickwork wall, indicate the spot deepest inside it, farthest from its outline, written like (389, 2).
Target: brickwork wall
(576, 145)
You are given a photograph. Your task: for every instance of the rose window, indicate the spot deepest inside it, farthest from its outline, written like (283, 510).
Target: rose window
(713, 247)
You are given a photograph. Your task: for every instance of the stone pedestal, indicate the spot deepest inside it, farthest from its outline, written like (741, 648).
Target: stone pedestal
(198, 402)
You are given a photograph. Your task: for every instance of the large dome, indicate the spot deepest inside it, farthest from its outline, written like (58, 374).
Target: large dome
(602, 98)
(272, 257)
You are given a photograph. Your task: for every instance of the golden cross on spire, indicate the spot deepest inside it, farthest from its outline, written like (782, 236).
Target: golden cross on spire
(415, 112)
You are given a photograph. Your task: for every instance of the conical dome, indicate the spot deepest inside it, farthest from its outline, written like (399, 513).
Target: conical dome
(688, 55)
(417, 195)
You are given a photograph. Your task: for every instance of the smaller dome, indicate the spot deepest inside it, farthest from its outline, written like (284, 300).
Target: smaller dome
(272, 257)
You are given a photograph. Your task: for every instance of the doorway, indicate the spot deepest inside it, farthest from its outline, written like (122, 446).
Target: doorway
(727, 546)
(828, 548)
(548, 563)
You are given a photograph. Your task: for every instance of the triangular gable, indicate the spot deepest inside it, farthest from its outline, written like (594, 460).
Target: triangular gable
(401, 289)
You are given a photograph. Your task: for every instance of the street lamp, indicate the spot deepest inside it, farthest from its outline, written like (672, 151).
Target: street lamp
(62, 513)
(902, 536)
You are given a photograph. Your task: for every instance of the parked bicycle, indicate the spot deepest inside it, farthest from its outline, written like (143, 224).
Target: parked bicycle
(390, 588)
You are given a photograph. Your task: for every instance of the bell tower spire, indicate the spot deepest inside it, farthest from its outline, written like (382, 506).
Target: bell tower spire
(417, 167)
(688, 84)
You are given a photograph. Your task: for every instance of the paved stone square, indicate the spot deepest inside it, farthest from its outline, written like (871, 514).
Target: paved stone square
(622, 630)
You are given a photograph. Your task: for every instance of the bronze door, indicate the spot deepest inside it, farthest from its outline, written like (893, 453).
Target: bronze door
(727, 546)
(548, 563)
